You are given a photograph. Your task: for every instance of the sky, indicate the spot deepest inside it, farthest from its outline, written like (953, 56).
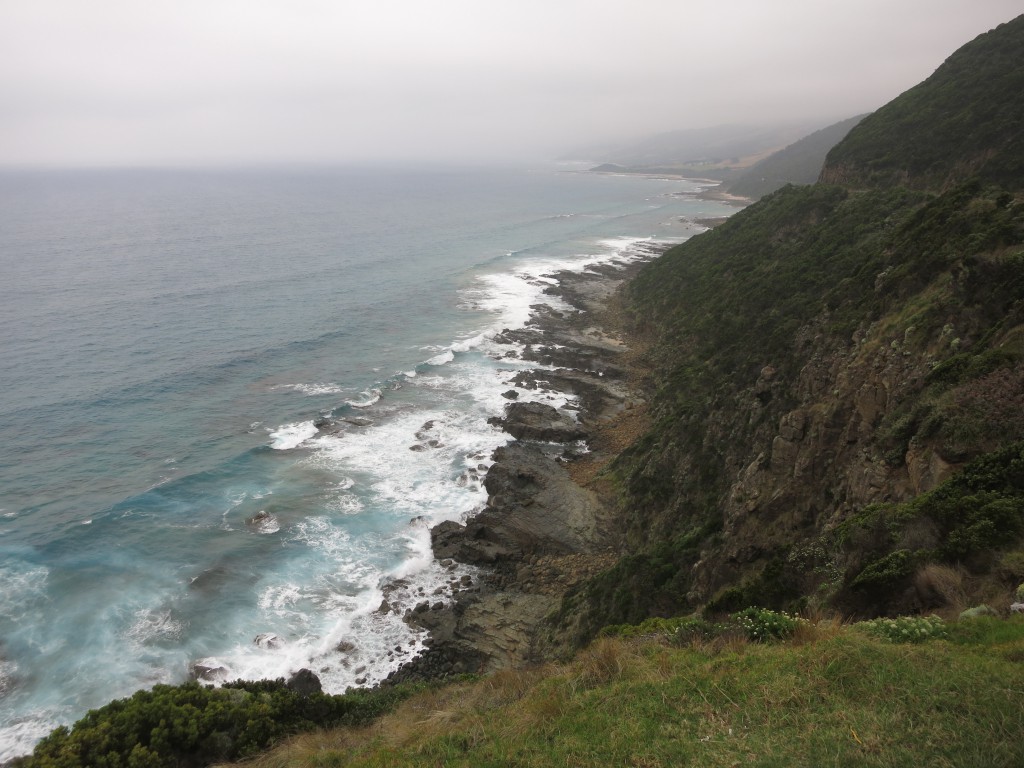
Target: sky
(239, 82)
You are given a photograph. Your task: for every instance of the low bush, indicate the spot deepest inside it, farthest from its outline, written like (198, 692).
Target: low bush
(905, 629)
(762, 624)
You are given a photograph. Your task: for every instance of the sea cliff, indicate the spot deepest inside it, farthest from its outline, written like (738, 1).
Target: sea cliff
(826, 395)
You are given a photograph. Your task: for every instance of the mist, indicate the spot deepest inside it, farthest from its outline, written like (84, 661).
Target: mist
(242, 82)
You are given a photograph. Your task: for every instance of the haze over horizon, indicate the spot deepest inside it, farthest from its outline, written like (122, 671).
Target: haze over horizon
(228, 82)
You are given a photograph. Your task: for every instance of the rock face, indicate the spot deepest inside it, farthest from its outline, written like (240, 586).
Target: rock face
(538, 421)
(533, 508)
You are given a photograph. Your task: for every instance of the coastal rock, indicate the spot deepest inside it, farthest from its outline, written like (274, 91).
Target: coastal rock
(209, 671)
(541, 533)
(267, 640)
(533, 507)
(264, 522)
(475, 544)
(538, 421)
(305, 683)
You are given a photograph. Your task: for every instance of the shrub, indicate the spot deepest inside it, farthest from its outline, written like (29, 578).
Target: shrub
(189, 725)
(905, 629)
(761, 624)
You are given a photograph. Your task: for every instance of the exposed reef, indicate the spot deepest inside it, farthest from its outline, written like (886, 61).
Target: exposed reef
(546, 527)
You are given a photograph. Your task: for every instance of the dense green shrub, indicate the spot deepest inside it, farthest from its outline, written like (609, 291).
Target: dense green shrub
(190, 725)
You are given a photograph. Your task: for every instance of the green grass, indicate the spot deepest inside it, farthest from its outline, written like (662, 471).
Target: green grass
(836, 696)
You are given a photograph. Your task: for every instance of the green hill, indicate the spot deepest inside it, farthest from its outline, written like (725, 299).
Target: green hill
(838, 386)
(799, 163)
(964, 120)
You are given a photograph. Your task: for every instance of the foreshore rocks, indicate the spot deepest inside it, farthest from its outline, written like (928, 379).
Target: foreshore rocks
(538, 421)
(533, 508)
(541, 532)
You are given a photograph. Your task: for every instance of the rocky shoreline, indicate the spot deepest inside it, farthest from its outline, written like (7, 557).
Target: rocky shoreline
(547, 525)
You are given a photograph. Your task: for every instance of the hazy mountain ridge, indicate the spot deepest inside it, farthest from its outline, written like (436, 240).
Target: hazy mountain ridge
(716, 153)
(827, 366)
(799, 163)
(692, 145)
(747, 162)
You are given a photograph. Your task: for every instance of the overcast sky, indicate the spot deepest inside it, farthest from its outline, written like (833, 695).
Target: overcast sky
(143, 82)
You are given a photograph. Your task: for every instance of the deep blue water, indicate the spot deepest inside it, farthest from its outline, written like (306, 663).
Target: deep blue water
(168, 339)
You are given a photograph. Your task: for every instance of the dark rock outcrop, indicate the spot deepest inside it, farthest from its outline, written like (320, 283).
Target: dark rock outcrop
(304, 682)
(534, 508)
(538, 421)
(541, 532)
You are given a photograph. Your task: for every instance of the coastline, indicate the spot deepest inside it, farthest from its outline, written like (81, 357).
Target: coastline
(550, 521)
(710, 192)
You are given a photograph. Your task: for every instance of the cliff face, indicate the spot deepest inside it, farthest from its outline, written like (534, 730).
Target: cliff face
(828, 362)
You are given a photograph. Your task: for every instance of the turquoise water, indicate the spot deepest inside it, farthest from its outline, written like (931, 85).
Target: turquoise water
(169, 340)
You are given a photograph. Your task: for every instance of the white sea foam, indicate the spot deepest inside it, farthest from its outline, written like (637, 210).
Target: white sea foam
(8, 669)
(367, 398)
(21, 589)
(442, 358)
(291, 435)
(311, 390)
(264, 522)
(151, 625)
(20, 735)
(467, 344)
(345, 504)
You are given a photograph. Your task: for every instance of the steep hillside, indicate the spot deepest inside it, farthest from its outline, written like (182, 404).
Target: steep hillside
(964, 120)
(799, 163)
(838, 380)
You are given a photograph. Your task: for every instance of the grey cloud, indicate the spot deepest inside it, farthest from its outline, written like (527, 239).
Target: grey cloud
(225, 81)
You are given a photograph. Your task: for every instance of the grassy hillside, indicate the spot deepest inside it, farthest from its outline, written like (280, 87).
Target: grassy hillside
(833, 696)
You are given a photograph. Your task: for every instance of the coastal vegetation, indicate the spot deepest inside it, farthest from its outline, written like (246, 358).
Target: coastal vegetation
(195, 725)
(918, 691)
(833, 428)
(836, 377)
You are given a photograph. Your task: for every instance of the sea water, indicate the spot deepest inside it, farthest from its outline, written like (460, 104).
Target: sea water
(232, 404)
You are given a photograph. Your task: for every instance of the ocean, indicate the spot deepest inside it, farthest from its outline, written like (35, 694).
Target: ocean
(232, 404)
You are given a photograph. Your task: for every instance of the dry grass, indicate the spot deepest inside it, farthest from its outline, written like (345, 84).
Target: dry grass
(942, 586)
